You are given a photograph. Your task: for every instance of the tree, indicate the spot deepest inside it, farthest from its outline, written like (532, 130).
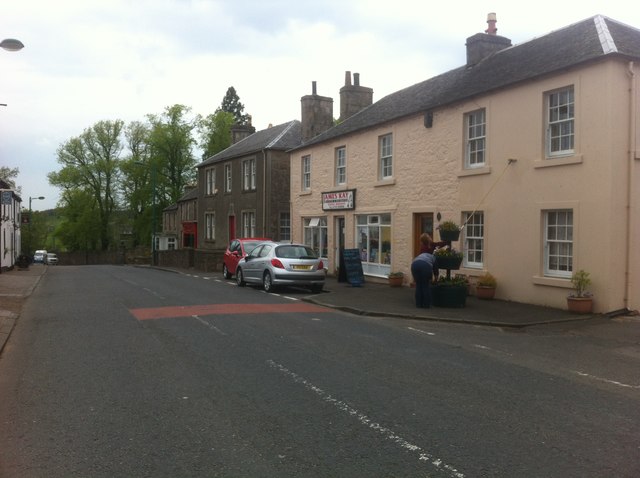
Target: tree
(172, 164)
(9, 176)
(90, 166)
(231, 104)
(215, 133)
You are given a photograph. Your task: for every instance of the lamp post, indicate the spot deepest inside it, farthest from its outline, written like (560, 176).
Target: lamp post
(31, 217)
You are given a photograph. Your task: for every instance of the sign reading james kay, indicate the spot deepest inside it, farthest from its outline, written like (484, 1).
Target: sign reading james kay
(339, 200)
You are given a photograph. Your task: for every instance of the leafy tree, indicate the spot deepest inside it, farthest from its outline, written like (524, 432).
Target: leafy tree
(215, 133)
(91, 166)
(9, 176)
(79, 228)
(172, 164)
(231, 104)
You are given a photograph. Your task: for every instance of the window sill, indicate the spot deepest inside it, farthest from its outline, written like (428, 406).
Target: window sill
(553, 282)
(305, 193)
(559, 161)
(384, 182)
(474, 171)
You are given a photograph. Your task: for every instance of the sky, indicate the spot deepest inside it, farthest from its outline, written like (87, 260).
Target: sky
(86, 61)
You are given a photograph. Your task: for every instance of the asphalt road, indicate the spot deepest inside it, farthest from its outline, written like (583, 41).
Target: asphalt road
(123, 372)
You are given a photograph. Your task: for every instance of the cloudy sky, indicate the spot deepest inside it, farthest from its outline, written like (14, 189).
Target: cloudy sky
(91, 60)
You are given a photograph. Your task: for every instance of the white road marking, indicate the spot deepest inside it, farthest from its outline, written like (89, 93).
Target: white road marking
(211, 326)
(154, 293)
(421, 331)
(484, 347)
(368, 422)
(600, 379)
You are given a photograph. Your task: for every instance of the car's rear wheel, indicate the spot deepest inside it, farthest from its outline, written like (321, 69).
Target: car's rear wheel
(267, 282)
(240, 277)
(225, 272)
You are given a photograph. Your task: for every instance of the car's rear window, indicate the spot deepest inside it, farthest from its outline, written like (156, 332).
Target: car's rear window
(295, 252)
(250, 245)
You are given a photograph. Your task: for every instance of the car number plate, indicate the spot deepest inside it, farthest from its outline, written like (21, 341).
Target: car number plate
(300, 268)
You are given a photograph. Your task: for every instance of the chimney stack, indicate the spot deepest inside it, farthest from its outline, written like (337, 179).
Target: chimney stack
(482, 45)
(316, 115)
(353, 98)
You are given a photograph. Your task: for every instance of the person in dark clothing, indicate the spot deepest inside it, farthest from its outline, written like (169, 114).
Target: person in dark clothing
(422, 268)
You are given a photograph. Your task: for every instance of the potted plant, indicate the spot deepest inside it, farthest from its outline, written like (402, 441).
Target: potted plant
(486, 286)
(449, 231)
(450, 292)
(396, 279)
(448, 258)
(581, 301)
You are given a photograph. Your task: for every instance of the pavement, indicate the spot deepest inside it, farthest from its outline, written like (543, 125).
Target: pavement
(372, 299)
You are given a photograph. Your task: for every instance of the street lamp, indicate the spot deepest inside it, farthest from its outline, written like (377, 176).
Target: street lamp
(11, 44)
(31, 217)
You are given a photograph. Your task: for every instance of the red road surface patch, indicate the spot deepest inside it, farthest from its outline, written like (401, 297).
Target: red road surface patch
(215, 309)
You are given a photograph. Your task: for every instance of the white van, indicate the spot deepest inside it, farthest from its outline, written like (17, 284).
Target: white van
(40, 256)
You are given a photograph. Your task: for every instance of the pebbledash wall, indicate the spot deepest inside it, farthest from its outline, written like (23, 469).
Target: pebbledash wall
(599, 184)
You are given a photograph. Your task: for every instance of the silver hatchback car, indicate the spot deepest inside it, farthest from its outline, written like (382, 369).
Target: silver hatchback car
(272, 264)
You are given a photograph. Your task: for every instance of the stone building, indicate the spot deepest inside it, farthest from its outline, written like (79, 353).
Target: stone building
(533, 149)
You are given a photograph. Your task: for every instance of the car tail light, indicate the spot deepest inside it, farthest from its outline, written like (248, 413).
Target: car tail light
(320, 265)
(277, 264)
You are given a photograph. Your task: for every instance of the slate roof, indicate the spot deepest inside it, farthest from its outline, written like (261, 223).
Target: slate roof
(589, 40)
(282, 137)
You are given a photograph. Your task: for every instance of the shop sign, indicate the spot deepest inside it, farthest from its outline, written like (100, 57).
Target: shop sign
(339, 200)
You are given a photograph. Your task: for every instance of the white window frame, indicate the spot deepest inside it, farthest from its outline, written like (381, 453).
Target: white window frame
(249, 175)
(373, 239)
(248, 224)
(474, 239)
(476, 139)
(316, 235)
(227, 178)
(285, 226)
(558, 243)
(306, 172)
(341, 165)
(210, 226)
(560, 105)
(210, 181)
(385, 147)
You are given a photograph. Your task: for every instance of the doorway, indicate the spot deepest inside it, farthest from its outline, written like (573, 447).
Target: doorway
(422, 222)
(339, 240)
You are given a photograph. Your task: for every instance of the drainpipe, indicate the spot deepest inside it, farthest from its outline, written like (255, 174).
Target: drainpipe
(630, 161)
(264, 194)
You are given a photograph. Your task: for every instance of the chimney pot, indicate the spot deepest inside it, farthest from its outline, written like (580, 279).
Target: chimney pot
(313, 88)
(491, 21)
(347, 78)
(356, 79)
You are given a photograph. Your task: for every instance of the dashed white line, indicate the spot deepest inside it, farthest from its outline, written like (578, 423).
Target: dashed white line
(211, 326)
(368, 422)
(154, 293)
(600, 379)
(484, 347)
(421, 331)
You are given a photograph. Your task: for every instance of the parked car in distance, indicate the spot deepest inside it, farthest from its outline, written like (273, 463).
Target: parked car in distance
(273, 264)
(51, 259)
(236, 250)
(39, 256)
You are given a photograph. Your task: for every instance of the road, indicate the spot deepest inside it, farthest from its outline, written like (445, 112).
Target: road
(134, 372)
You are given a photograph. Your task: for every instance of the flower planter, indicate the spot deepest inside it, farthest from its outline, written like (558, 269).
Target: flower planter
(396, 281)
(449, 235)
(449, 295)
(484, 292)
(580, 305)
(448, 263)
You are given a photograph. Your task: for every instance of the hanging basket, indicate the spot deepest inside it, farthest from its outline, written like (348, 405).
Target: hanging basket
(449, 236)
(449, 263)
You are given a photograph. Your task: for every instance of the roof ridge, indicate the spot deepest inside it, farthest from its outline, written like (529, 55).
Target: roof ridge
(282, 133)
(606, 40)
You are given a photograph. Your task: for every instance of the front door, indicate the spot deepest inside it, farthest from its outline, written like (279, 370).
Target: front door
(339, 241)
(422, 222)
